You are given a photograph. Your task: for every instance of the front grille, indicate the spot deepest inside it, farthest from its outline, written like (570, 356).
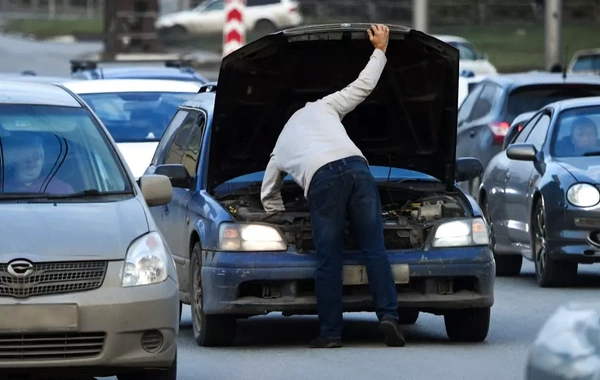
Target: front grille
(52, 278)
(15, 347)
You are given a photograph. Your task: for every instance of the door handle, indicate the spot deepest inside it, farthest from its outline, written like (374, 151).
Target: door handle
(507, 176)
(472, 134)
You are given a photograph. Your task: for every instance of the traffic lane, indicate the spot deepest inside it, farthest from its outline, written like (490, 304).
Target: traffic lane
(51, 58)
(275, 347)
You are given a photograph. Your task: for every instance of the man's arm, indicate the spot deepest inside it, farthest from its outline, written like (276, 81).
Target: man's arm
(270, 192)
(345, 101)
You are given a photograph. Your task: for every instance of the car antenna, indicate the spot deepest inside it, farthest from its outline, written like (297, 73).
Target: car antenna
(564, 68)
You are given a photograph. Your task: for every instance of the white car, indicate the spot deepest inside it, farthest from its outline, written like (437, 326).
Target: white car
(470, 59)
(261, 16)
(136, 112)
(585, 61)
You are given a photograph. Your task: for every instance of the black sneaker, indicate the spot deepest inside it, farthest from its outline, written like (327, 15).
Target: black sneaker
(391, 329)
(321, 342)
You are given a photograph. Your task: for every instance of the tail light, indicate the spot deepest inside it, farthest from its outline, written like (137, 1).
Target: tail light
(499, 130)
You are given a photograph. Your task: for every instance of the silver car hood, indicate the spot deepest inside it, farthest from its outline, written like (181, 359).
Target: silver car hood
(46, 232)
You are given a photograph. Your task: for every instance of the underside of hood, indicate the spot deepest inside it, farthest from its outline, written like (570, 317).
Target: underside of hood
(409, 121)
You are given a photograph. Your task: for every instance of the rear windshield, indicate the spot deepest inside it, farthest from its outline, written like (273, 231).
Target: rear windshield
(57, 151)
(587, 63)
(532, 98)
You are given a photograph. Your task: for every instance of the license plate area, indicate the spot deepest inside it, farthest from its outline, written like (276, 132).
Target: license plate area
(39, 318)
(357, 274)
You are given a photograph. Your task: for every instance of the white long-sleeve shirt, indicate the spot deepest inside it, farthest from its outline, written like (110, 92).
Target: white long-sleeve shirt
(315, 136)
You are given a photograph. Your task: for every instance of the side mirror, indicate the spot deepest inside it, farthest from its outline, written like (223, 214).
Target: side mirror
(510, 135)
(521, 152)
(157, 189)
(467, 168)
(177, 173)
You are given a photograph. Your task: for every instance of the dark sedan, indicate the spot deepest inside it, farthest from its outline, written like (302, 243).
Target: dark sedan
(488, 111)
(541, 196)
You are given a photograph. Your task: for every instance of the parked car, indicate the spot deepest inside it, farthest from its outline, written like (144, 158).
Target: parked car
(136, 112)
(167, 70)
(567, 345)
(488, 111)
(540, 195)
(97, 260)
(470, 58)
(585, 62)
(260, 16)
(234, 260)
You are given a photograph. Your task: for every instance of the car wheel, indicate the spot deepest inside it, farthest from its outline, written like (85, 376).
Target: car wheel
(468, 325)
(408, 316)
(548, 272)
(152, 374)
(209, 330)
(506, 265)
(264, 27)
(178, 32)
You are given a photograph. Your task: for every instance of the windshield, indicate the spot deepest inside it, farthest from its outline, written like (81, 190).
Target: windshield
(136, 116)
(532, 98)
(380, 173)
(55, 150)
(576, 133)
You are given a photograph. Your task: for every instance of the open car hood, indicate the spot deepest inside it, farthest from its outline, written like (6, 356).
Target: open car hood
(409, 121)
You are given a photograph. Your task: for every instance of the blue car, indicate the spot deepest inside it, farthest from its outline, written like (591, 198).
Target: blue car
(234, 260)
(172, 70)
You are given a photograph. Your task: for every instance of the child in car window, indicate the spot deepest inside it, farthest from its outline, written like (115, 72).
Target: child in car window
(26, 157)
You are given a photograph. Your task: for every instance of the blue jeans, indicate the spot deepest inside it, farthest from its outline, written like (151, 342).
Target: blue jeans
(347, 188)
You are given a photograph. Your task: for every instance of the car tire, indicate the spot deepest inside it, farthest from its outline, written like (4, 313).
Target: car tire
(264, 27)
(468, 325)
(548, 271)
(209, 330)
(152, 374)
(408, 316)
(506, 265)
(178, 32)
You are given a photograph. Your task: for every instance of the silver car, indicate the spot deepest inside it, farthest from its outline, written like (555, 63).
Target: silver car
(87, 284)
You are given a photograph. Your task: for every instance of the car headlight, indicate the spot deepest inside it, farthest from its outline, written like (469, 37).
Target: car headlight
(583, 195)
(461, 233)
(250, 237)
(146, 261)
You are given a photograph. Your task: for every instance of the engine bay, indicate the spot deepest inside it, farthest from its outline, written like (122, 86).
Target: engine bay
(407, 217)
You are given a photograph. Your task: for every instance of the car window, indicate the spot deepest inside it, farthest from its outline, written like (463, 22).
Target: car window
(465, 50)
(521, 136)
(467, 105)
(539, 132)
(192, 150)
(483, 106)
(587, 63)
(576, 132)
(218, 5)
(136, 116)
(176, 121)
(174, 154)
(253, 3)
(56, 150)
(531, 98)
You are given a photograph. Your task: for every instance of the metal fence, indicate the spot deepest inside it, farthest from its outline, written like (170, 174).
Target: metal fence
(51, 9)
(440, 12)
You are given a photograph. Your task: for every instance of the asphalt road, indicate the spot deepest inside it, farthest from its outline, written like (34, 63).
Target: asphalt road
(274, 347)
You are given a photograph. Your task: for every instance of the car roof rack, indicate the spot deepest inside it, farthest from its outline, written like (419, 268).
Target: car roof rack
(169, 60)
(208, 87)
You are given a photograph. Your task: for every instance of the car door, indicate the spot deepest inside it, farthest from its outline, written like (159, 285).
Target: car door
(495, 185)
(518, 184)
(171, 221)
(213, 17)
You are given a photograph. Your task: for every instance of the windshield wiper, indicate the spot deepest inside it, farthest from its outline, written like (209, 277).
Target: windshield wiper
(47, 196)
(86, 193)
(593, 153)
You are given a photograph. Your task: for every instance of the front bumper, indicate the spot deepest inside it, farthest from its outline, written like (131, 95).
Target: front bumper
(108, 337)
(568, 236)
(255, 283)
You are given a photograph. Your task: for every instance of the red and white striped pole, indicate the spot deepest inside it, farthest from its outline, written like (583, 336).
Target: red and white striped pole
(234, 31)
